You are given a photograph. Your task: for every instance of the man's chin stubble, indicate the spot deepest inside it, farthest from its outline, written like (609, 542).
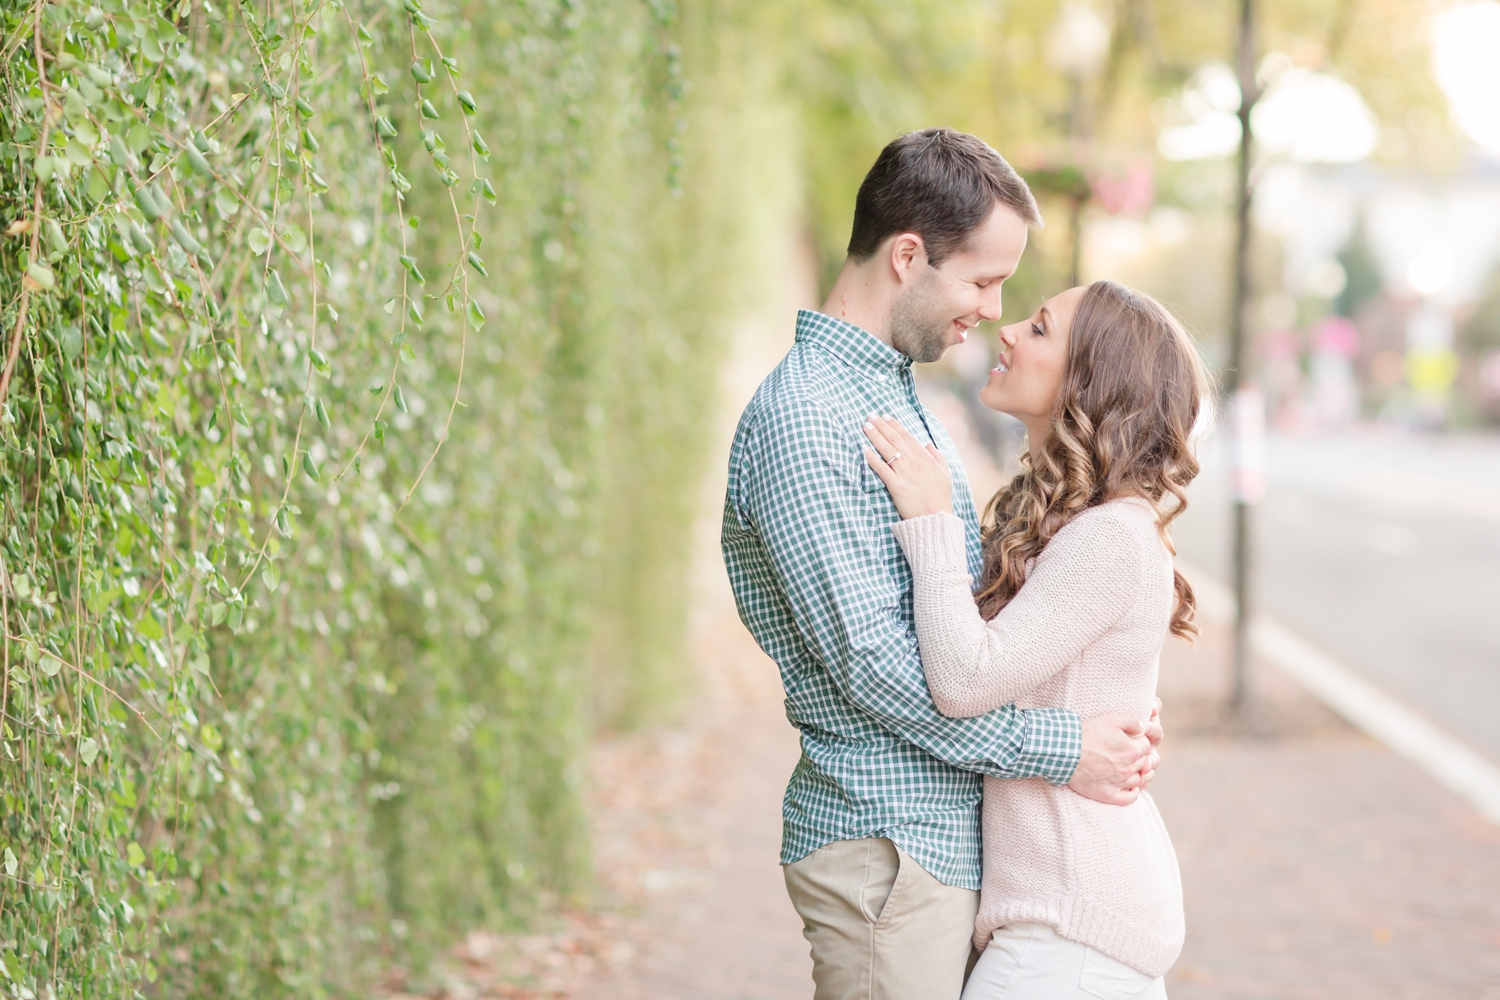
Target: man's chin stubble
(918, 337)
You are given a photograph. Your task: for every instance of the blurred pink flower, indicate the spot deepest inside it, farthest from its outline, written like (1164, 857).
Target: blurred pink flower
(1278, 344)
(1489, 375)
(1336, 335)
(1127, 192)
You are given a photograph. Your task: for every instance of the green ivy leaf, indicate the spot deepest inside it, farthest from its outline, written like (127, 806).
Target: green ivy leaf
(152, 205)
(466, 99)
(134, 856)
(139, 239)
(293, 238)
(72, 345)
(475, 314)
(427, 110)
(55, 236)
(275, 290)
(40, 277)
(477, 264)
(11, 864)
(410, 263)
(197, 160)
(271, 577)
(183, 237)
(88, 750)
(259, 240)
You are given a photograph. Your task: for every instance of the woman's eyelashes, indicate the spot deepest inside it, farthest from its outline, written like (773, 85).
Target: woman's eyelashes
(1037, 329)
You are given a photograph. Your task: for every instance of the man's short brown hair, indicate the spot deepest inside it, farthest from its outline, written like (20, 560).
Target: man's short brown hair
(939, 183)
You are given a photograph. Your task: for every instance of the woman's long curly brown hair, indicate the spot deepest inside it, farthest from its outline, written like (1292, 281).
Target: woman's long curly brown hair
(1130, 396)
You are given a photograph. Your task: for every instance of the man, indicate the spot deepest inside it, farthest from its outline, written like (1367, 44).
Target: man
(881, 843)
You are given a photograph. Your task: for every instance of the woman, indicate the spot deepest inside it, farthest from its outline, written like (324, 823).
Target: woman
(1080, 899)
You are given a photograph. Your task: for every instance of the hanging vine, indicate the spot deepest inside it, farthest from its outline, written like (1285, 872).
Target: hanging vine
(295, 534)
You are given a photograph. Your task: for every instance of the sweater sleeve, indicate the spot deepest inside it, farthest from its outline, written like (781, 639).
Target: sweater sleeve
(1083, 582)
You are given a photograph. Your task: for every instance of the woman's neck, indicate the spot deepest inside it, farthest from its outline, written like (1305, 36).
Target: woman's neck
(1037, 432)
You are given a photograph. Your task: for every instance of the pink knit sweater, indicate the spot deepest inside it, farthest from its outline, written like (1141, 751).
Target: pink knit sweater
(1085, 633)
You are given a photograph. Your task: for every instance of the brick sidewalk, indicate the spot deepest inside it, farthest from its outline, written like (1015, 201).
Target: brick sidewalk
(1316, 864)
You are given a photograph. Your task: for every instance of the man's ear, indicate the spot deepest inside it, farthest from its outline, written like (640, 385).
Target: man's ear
(908, 255)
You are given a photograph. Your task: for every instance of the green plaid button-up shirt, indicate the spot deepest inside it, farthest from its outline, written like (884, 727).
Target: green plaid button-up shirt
(823, 586)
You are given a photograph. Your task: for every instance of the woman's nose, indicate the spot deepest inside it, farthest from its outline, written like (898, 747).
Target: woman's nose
(1007, 337)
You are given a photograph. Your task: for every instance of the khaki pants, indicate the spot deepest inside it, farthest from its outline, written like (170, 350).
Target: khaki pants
(881, 927)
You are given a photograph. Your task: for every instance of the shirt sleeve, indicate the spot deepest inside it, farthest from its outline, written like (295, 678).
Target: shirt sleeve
(801, 491)
(1081, 585)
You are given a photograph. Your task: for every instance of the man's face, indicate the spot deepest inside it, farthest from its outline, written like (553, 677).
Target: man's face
(942, 304)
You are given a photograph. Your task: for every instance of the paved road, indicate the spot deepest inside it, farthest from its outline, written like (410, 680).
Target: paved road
(1384, 549)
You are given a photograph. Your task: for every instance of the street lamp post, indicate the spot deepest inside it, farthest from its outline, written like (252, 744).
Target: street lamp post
(1077, 46)
(1247, 410)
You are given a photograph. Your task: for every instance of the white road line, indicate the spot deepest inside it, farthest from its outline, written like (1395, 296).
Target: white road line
(1460, 769)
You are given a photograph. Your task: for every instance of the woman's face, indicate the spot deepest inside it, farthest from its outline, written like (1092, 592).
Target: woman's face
(1033, 357)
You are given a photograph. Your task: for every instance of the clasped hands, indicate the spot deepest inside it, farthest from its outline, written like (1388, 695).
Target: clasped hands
(1119, 757)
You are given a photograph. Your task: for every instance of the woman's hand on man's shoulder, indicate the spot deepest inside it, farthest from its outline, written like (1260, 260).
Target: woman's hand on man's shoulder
(916, 474)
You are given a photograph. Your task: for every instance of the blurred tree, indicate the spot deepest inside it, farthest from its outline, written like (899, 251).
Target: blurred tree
(862, 71)
(1362, 273)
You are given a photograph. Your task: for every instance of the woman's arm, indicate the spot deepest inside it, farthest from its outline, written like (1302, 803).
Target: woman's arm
(1083, 582)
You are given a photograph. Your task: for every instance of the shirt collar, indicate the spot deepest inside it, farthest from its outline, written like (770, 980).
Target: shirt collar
(855, 347)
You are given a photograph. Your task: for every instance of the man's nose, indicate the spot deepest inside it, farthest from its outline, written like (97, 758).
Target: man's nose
(990, 308)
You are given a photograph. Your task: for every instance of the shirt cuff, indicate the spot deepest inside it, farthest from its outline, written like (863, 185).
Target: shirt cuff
(1053, 744)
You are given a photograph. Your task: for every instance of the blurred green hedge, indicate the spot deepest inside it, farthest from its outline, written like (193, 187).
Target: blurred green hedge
(351, 441)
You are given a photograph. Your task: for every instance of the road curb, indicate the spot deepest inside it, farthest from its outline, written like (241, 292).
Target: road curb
(1459, 768)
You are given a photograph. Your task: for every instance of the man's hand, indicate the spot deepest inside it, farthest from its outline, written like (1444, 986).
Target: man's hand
(1154, 733)
(1116, 760)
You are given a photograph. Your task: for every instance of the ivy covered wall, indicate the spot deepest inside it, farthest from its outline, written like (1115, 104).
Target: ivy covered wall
(355, 363)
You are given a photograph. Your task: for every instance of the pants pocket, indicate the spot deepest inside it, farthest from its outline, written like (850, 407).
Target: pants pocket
(1107, 979)
(882, 877)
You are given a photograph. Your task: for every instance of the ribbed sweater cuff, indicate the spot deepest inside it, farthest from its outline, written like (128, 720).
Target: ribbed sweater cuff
(934, 543)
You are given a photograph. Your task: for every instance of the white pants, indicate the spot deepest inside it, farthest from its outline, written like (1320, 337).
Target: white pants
(1034, 962)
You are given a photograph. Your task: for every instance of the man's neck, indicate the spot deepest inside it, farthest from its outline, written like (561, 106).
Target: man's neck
(858, 298)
